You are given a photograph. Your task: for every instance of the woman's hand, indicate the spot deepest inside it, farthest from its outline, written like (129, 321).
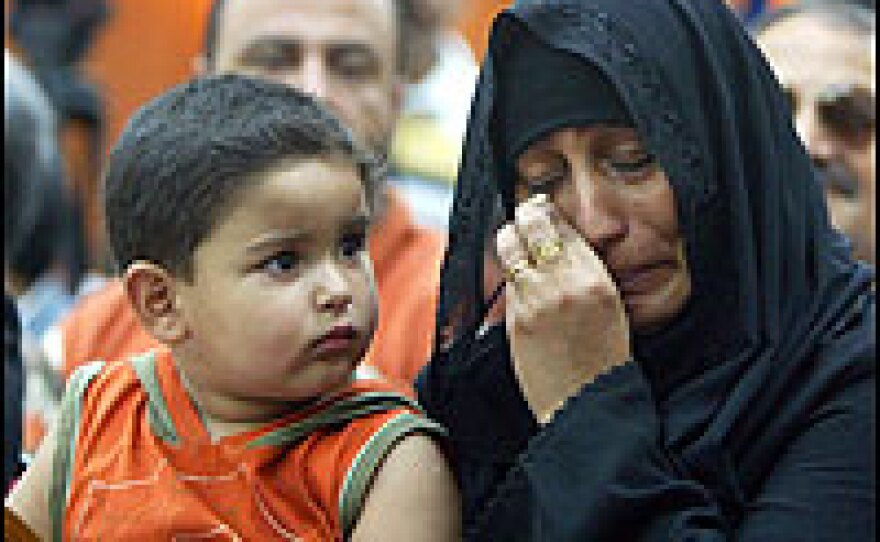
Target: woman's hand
(565, 318)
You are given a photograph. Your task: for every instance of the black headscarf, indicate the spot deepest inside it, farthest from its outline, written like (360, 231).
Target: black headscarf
(538, 104)
(780, 312)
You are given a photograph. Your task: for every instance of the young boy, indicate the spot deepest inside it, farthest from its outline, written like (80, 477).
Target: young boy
(238, 210)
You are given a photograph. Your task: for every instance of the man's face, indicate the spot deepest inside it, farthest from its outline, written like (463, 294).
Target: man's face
(829, 74)
(343, 52)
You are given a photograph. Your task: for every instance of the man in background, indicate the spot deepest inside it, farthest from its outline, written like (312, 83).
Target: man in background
(823, 54)
(348, 54)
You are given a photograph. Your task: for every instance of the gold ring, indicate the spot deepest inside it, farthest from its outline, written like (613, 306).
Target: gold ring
(549, 252)
(516, 270)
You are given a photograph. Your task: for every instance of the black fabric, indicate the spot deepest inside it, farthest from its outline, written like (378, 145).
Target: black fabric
(752, 415)
(543, 104)
(13, 392)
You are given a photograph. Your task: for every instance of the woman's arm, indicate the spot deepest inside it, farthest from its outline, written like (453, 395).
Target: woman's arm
(599, 472)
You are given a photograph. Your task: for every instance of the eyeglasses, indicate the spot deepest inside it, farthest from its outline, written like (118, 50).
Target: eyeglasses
(847, 111)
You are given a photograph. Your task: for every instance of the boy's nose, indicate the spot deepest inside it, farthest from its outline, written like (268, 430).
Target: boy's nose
(337, 303)
(332, 293)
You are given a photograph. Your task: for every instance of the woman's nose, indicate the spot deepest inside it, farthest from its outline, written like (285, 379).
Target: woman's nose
(597, 211)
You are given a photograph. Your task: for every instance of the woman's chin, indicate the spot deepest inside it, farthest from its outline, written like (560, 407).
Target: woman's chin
(651, 310)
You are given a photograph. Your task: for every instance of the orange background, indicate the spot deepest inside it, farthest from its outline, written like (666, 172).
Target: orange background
(147, 46)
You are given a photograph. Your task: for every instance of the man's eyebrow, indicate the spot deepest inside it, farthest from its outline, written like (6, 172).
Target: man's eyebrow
(349, 46)
(349, 43)
(282, 41)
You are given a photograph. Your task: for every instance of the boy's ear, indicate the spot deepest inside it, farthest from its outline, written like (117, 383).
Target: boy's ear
(153, 293)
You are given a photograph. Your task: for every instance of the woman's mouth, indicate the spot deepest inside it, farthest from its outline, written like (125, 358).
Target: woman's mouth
(641, 279)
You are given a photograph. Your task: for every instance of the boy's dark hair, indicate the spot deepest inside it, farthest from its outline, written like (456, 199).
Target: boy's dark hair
(183, 159)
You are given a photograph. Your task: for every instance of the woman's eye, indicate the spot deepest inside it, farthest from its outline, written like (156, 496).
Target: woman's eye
(631, 165)
(353, 244)
(283, 262)
(546, 184)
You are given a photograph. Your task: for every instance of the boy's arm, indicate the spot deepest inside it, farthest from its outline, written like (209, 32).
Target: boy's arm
(30, 497)
(413, 497)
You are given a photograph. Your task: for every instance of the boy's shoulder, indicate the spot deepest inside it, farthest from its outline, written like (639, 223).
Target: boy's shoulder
(107, 381)
(360, 427)
(106, 398)
(348, 417)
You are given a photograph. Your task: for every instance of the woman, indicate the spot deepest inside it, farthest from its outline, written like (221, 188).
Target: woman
(687, 348)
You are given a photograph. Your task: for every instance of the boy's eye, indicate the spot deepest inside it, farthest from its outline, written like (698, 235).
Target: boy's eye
(353, 244)
(283, 262)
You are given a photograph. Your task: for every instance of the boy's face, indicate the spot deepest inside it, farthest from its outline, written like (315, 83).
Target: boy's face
(282, 304)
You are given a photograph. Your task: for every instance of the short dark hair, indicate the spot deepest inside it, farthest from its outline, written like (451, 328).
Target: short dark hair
(38, 208)
(184, 158)
(405, 23)
(851, 15)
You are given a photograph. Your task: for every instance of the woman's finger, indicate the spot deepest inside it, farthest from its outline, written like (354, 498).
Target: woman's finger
(512, 254)
(535, 226)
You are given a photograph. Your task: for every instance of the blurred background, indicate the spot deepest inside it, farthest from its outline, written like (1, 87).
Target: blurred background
(101, 59)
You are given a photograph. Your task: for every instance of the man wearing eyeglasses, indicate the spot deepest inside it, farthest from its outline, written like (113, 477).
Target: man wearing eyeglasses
(823, 54)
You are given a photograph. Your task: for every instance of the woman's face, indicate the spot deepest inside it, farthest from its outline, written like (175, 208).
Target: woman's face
(612, 191)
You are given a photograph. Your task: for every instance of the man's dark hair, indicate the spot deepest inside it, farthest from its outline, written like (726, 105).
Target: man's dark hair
(405, 21)
(41, 230)
(852, 15)
(184, 158)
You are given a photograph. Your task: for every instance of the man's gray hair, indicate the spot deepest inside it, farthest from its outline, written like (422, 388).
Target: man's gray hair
(845, 14)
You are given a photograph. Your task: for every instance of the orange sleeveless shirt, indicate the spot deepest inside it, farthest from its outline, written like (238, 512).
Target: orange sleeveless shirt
(140, 465)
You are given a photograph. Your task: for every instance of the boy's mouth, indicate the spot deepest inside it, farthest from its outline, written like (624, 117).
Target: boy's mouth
(339, 340)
